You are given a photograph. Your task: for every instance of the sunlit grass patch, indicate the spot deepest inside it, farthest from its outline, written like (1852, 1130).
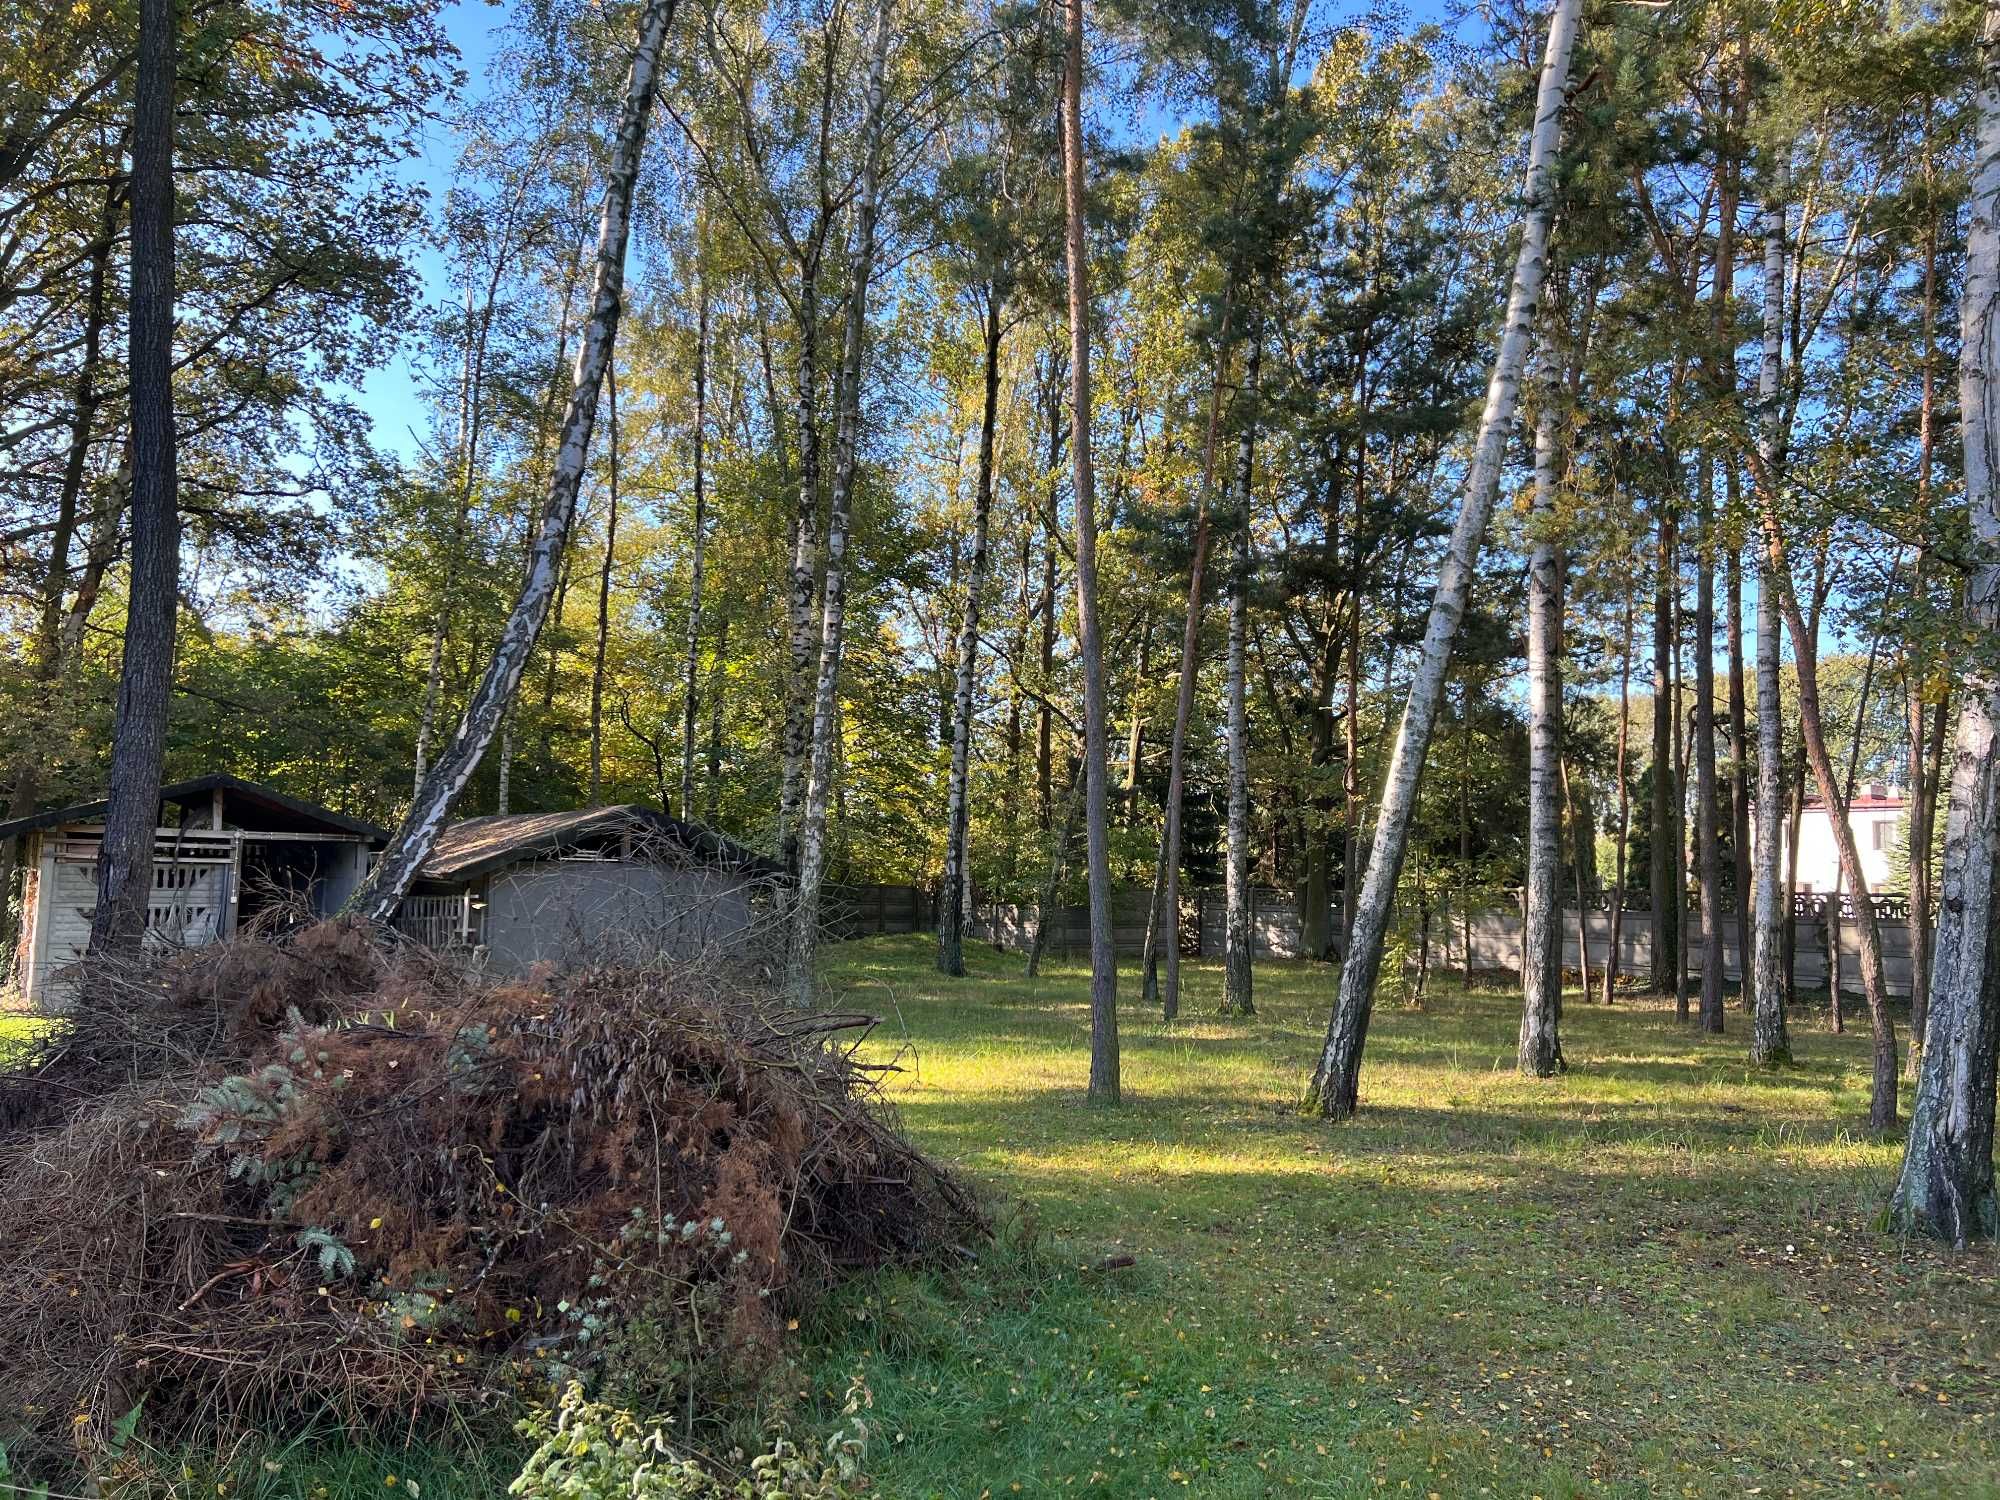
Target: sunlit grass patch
(1657, 1274)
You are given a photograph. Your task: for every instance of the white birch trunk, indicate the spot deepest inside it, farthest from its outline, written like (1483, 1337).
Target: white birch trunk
(803, 950)
(1336, 1082)
(1541, 942)
(1946, 1184)
(390, 879)
(1104, 1080)
(1771, 1043)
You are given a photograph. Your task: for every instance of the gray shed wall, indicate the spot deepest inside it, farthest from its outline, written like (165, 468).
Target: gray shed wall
(601, 911)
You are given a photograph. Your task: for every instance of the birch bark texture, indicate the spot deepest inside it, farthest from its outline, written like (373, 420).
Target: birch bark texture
(382, 892)
(1540, 1053)
(802, 951)
(1770, 1041)
(146, 674)
(1945, 1187)
(1104, 1082)
(1336, 1081)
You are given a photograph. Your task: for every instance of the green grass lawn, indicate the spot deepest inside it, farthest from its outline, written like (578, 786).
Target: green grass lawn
(16, 1029)
(1658, 1275)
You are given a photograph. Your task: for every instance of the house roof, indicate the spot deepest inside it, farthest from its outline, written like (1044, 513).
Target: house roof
(478, 846)
(246, 804)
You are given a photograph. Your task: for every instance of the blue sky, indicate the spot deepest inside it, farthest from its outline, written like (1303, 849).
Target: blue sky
(392, 396)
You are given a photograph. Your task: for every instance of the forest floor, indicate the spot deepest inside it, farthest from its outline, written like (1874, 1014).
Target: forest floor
(1657, 1275)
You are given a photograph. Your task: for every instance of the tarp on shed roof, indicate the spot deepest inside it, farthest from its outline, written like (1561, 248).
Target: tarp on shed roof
(478, 846)
(246, 804)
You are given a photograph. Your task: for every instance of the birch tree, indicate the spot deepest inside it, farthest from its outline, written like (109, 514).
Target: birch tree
(1770, 1041)
(1540, 1052)
(389, 881)
(1945, 1187)
(1336, 1080)
(1104, 1087)
(803, 948)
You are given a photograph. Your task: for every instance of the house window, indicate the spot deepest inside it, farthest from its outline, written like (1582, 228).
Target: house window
(1879, 833)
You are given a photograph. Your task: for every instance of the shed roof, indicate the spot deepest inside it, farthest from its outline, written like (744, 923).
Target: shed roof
(247, 804)
(478, 846)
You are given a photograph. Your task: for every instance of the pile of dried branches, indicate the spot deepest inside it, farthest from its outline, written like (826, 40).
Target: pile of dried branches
(279, 1176)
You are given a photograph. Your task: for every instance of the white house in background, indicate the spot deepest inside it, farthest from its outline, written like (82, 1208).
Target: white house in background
(1879, 818)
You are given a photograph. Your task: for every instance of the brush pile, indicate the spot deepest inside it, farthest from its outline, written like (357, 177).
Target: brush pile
(278, 1177)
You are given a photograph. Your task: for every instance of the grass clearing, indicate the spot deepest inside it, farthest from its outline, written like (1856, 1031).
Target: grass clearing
(1656, 1275)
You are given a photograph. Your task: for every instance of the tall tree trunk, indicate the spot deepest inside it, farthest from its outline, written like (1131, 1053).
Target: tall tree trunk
(1735, 108)
(1771, 1043)
(603, 643)
(1135, 743)
(1946, 1184)
(1666, 897)
(1350, 776)
(146, 676)
(1103, 951)
(1239, 942)
(951, 943)
(802, 952)
(1045, 769)
(389, 881)
(1163, 914)
(1624, 805)
(698, 545)
(1708, 810)
(1337, 1079)
(1540, 1053)
(1921, 788)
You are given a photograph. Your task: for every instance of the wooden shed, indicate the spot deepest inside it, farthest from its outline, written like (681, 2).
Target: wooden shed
(622, 883)
(224, 850)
